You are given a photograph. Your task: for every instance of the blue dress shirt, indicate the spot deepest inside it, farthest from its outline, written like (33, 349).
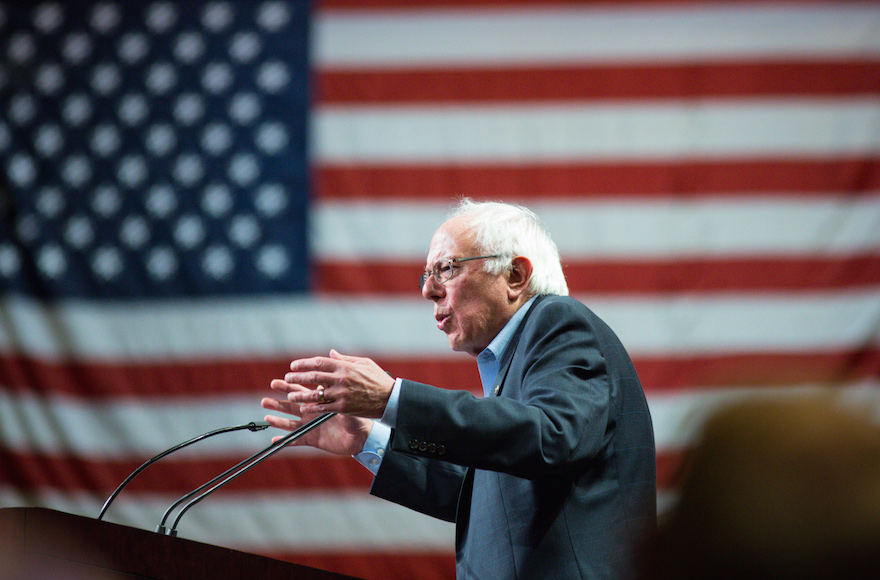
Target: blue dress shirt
(488, 364)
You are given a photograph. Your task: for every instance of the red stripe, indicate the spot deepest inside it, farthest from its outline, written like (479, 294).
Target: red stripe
(286, 472)
(585, 83)
(211, 378)
(236, 378)
(375, 565)
(140, 381)
(622, 277)
(535, 181)
(669, 374)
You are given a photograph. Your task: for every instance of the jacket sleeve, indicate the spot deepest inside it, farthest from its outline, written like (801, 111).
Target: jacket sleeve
(553, 415)
(427, 486)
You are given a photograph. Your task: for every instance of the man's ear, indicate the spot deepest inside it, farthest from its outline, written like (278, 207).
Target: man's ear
(518, 277)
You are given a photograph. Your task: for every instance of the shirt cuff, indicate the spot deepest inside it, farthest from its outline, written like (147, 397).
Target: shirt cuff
(389, 417)
(374, 447)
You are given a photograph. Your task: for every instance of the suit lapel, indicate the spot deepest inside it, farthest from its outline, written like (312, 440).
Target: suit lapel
(507, 357)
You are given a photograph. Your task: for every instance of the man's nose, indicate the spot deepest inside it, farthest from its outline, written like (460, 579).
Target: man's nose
(431, 289)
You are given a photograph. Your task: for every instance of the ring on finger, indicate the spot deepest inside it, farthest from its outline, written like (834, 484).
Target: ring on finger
(321, 395)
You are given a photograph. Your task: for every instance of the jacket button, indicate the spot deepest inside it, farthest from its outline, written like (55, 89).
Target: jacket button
(441, 449)
(422, 446)
(414, 444)
(432, 448)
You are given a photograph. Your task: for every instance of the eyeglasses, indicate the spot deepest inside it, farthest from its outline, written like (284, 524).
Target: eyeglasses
(444, 269)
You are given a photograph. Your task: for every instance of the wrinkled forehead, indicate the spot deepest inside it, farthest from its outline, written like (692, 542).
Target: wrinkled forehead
(451, 240)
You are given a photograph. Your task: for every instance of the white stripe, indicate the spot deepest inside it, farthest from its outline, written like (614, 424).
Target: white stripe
(52, 425)
(773, 323)
(181, 330)
(659, 130)
(374, 230)
(679, 417)
(594, 228)
(562, 34)
(128, 428)
(267, 522)
(164, 331)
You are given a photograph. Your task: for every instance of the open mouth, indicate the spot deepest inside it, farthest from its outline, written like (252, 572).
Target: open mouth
(441, 320)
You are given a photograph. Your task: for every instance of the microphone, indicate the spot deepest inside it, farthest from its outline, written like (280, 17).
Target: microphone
(252, 426)
(235, 471)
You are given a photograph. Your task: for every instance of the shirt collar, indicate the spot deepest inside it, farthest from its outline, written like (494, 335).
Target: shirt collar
(501, 340)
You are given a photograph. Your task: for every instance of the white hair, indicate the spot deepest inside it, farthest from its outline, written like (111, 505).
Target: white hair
(510, 230)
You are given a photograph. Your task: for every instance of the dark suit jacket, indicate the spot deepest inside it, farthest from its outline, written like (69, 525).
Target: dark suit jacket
(555, 477)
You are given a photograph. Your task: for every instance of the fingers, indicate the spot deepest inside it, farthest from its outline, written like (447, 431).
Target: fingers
(280, 406)
(315, 363)
(295, 393)
(280, 422)
(301, 394)
(284, 387)
(298, 404)
(310, 377)
(284, 424)
(318, 396)
(315, 401)
(300, 399)
(318, 370)
(280, 385)
(335, 354)
(338, 383)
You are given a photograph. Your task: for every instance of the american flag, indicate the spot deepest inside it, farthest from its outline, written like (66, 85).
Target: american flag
(195, 193)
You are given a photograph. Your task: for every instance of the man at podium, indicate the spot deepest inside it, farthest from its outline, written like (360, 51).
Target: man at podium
(551, 474)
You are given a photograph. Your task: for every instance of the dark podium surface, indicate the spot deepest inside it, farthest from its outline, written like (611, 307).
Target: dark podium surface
(44, 544)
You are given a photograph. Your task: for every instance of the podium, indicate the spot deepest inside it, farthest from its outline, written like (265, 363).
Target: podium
(39, 543)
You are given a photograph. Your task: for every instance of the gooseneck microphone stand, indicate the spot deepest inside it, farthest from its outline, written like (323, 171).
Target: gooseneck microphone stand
(252, 426)
(235, 471)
